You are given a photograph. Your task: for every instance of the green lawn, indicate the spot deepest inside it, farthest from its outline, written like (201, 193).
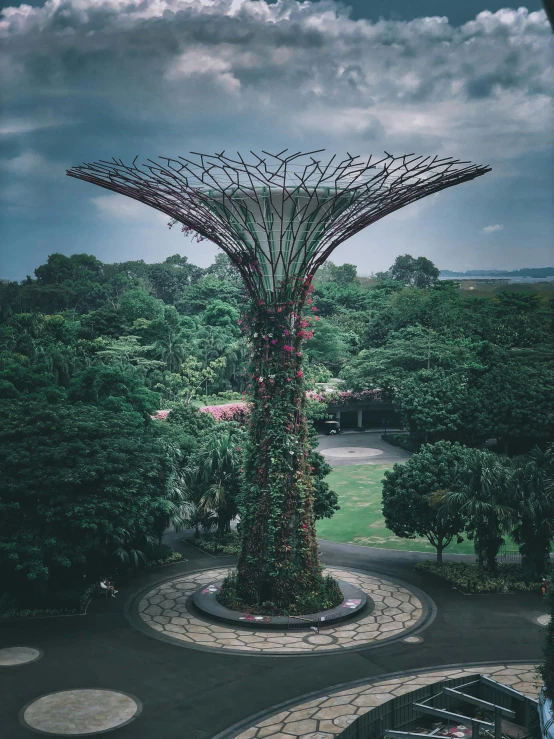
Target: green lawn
(360, 520)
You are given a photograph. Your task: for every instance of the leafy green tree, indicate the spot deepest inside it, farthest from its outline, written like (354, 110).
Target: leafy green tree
(171, 349)
(515, 403)
(191, 421)
(435, 404)
(327, 346)
(326, 501)
(531, 495)
(79, 485)
(59, 269)
(420, 272)
(519, 320)
(409, 495)
(139, 304)
(409, 351)
(333, 297)
(126, 351)
(116, 389)
(223, 268)
(480, 494)
(345, 274)
(219, 313)
(196, 297)
(107, 322)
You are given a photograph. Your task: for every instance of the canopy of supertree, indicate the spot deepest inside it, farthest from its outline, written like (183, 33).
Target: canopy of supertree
(278, 217)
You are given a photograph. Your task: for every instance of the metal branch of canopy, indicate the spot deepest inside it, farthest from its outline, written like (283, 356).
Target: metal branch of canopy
(278, 216)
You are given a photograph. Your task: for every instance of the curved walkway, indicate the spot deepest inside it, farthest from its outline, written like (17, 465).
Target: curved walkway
(329, 713)
(194, 694)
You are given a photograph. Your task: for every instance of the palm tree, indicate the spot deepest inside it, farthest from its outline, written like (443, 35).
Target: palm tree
(480, 496)
(171, 349)
(176, 506)
(198, 518)
(532, 495)
(218, 476)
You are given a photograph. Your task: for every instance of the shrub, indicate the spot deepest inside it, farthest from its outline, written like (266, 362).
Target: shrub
(161, 554)
(225, 395)
(67, 602)
(329, 596)
(403, 441)
(225, 545)
(465, 576)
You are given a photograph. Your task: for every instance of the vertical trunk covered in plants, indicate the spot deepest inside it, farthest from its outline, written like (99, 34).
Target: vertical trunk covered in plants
(279, 561)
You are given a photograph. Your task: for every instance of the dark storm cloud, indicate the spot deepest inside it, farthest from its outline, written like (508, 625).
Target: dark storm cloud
(90, 79)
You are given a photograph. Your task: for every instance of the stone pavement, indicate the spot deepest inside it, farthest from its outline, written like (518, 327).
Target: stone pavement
(359, 448)
(398, 611)
(326, 715)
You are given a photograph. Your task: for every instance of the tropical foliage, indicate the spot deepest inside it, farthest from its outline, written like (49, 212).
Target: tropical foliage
(91, 353)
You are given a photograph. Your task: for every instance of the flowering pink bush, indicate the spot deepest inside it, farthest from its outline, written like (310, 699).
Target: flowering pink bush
(231, 412)
(313, 395)
(350, 396)
(160, 415)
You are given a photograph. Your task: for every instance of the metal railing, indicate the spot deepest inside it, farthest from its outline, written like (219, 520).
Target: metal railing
(400, 714)
(509, 555)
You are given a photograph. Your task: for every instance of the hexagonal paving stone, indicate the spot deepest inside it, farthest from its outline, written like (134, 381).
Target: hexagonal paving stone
(164, 609)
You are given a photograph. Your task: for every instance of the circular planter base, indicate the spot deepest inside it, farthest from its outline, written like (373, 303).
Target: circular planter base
(354, 602)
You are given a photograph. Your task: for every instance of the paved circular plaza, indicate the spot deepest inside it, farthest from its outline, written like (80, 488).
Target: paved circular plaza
(80, 712)
(329, 713)
(164, 611)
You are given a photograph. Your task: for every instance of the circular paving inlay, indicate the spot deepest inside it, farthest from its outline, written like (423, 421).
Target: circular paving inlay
(353, 452)
(544, 620)
(77, 712)
(11, 656)
(165, 609)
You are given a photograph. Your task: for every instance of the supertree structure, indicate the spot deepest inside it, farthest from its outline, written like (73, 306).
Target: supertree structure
(278, 217)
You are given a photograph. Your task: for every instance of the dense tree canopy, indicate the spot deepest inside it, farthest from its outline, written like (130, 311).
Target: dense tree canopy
(99, 348)
(79, 483)
(409, 492)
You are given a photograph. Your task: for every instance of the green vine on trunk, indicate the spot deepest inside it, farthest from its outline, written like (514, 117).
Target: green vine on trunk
(279, 558)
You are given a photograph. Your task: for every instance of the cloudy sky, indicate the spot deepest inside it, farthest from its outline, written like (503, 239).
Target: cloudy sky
(84, 80)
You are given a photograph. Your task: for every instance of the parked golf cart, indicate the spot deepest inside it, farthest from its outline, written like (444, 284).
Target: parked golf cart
(332, 427)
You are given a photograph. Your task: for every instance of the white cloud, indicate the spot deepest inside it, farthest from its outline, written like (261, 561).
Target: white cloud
(120, 208)
(27, 163)
(492, 229)
(15, 126)
(197, 62)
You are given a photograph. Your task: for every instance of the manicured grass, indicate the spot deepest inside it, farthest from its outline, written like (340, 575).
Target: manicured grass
(360, 519)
